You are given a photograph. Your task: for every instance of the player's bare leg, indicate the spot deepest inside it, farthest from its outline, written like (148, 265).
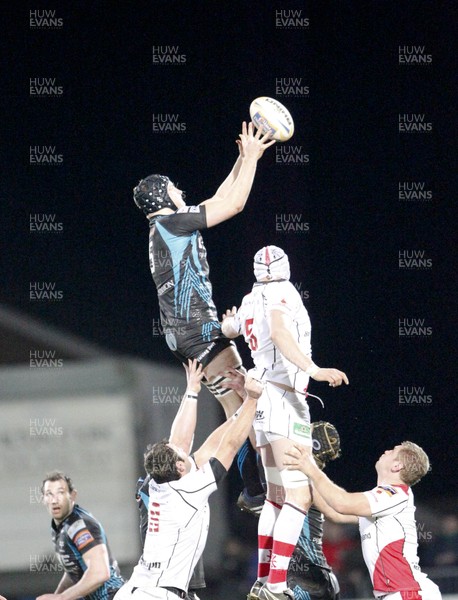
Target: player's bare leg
(214, 379)
(252, 497)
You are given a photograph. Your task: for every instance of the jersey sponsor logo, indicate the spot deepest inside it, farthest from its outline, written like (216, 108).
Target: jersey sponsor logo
(302, 430)
(83, 539)
(207, 350)
(259, 415)
(189, 209)
(151, 565)
(386, 488)
(75, 527)
(366, 536)
(165, 287)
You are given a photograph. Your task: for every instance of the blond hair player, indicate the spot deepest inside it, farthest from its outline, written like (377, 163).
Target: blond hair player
(386, 519)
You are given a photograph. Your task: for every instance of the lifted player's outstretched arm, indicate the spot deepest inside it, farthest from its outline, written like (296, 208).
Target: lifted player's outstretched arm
(224, 188)
(252, 145)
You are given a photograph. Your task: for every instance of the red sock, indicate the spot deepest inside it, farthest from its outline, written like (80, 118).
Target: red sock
(267, 519)
(286, 533)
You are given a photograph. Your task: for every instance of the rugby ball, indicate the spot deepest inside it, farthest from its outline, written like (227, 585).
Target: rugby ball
(270, 115)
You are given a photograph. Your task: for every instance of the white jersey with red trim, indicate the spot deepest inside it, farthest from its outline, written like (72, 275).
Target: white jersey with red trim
(252, 320)
(178, 520)
(389, 541)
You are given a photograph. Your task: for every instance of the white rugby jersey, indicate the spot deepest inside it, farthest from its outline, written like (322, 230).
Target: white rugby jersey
(178, 520)
(252, 320)
(389, 540)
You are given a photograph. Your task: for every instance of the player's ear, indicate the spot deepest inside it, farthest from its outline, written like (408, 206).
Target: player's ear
(397, 466)
(181, 467)
(73, 495)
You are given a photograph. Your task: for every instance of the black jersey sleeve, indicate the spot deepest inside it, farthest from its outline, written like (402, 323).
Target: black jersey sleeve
(85, 533)
(219, 471)
(185, 220)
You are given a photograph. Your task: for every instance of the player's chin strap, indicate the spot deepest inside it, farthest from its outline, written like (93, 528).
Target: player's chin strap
(290, 389)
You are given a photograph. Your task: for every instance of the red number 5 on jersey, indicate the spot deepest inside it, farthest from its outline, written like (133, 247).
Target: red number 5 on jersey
(251, 338)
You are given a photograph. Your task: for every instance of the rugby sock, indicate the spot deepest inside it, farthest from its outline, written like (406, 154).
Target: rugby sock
(247, 462)
(267, 519)
(286, 533)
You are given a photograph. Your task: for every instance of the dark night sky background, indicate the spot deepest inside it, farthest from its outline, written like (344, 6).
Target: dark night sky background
(348, 193)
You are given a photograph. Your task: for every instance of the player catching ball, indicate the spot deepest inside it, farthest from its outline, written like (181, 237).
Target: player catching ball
(179, 266)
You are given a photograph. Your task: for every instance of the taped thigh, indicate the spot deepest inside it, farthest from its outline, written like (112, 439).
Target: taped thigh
(273, 476)
(293, 479)
(215, 385)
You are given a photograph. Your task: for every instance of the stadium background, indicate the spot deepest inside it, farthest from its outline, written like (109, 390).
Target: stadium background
(163, 87)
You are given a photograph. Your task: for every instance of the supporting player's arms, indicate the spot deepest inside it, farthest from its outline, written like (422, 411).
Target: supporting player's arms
(341, 501)
(280, 332)
(221, 208)
(97, 572)
(241, 424)
(329, 512)
(225, 442)
(184, 423)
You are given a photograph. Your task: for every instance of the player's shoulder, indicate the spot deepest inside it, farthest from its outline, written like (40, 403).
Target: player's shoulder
(81, 518)
(196, 478)
(387, 494)
(247, 299)
(281, 291)
(392, 489)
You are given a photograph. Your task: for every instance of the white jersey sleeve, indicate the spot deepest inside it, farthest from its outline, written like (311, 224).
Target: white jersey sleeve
(386, 500)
